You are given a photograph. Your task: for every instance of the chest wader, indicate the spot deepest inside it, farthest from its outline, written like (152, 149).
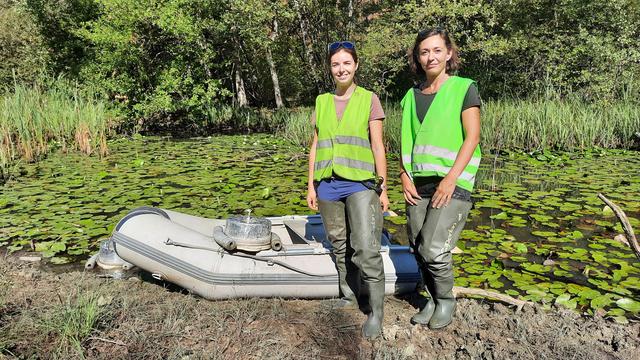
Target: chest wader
(354, 227)
(430, 148)
(432, 235)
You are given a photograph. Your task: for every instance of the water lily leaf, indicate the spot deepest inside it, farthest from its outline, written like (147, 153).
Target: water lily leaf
(512, 292)
(589, 294)
(575, 235)
(14, 248)
(601, 301)
(266, 192)
(58, 247)
(597, 246)
(520, 248)
(621, 320)
(541, 217)
(500, 216)
(629, 304)
(544, 234)
(616, 312)
(566, 301)
(58, 260)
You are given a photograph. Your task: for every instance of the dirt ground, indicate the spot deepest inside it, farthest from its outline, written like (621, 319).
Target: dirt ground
(80, 315)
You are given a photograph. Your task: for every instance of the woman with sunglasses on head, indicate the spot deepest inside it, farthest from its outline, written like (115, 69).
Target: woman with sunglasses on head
(347, 182)
(440, 157)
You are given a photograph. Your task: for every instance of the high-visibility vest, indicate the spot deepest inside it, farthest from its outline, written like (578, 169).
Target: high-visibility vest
(343, 146)
(430, 148)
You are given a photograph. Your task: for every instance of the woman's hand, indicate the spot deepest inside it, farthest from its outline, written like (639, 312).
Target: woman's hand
(409, 189)
(312, 199)
(384, 201)
(444, 191)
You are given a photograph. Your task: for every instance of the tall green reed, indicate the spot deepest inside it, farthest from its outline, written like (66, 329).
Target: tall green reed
(35, 119)
(539, 123)
(528, 125)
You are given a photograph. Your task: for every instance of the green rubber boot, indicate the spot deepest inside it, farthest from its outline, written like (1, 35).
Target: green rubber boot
(335, 226)
(424, 315)
(372, 327)
(445, 302)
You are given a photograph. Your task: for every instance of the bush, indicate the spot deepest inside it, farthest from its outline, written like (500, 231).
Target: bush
(23, 52)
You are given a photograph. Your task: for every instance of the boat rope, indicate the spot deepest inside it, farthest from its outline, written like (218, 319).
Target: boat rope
(257, 258)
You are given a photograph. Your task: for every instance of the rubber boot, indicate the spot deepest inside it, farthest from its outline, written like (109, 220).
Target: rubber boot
(437, 236)
(416, 216)
(365, 232)
(335, 226)
(445, 301)
(424, 315)
(372, 327)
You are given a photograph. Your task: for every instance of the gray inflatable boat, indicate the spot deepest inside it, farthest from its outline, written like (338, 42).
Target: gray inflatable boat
(286, 256)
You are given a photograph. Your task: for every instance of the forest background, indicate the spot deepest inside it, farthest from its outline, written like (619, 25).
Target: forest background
(164, 64)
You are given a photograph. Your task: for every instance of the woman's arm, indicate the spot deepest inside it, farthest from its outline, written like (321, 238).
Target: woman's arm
(471, 124)
(408, 187)
(379, 156)
(312, 200)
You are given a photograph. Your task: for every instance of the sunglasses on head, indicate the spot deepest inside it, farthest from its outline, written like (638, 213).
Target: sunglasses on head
(340, 44)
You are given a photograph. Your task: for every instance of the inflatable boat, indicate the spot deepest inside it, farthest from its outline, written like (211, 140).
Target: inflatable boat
(287, 256)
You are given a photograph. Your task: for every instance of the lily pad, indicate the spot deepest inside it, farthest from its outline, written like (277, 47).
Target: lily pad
(629, 304)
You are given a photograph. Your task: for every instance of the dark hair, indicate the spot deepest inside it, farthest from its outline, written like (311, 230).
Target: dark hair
(453, 63)
(351, 51)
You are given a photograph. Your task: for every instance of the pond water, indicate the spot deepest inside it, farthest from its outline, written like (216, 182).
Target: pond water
(537, 230)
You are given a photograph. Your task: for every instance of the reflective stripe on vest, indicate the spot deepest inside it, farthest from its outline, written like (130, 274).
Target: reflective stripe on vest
(324, 144)
(443, 170)
(441, 153)
(348, 140)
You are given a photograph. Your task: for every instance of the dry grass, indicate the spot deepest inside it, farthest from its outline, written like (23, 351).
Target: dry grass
(137, 319)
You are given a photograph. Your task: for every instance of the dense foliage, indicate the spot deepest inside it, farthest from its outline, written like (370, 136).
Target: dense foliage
(162, 60)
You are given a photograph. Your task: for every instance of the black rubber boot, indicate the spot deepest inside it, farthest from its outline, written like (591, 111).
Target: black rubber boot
(372, 327)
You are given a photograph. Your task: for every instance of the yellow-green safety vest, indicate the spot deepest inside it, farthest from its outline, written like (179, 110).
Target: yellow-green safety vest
(343, 146)
(430, 147)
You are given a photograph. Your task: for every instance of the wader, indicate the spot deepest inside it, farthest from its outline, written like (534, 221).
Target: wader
(432, 234)
(354, 227)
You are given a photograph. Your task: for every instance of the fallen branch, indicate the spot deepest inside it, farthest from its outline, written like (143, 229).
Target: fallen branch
(117, 342)
(461, 291)
(626, 225)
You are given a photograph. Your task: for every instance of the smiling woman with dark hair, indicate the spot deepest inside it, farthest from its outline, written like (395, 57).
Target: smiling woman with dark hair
(440, 157)
(347, 182)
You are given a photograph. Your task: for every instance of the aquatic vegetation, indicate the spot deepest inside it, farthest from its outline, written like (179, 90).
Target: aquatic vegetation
(538, 230)
(534, 125)
(33, 121)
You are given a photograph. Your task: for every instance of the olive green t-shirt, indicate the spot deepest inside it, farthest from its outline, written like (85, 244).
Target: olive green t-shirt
(426, 186)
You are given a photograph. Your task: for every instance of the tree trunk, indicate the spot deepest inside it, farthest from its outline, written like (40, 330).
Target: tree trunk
(307, 43)
(350, 25)
(241, 94)
(272, 66)
(274, 78)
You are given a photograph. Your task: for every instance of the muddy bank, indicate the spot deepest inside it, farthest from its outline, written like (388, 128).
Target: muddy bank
(76, 314)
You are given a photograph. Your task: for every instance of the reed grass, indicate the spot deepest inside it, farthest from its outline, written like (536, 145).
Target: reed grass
(568, 125)
(528, 125)
(35, 120)
(296, 126)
